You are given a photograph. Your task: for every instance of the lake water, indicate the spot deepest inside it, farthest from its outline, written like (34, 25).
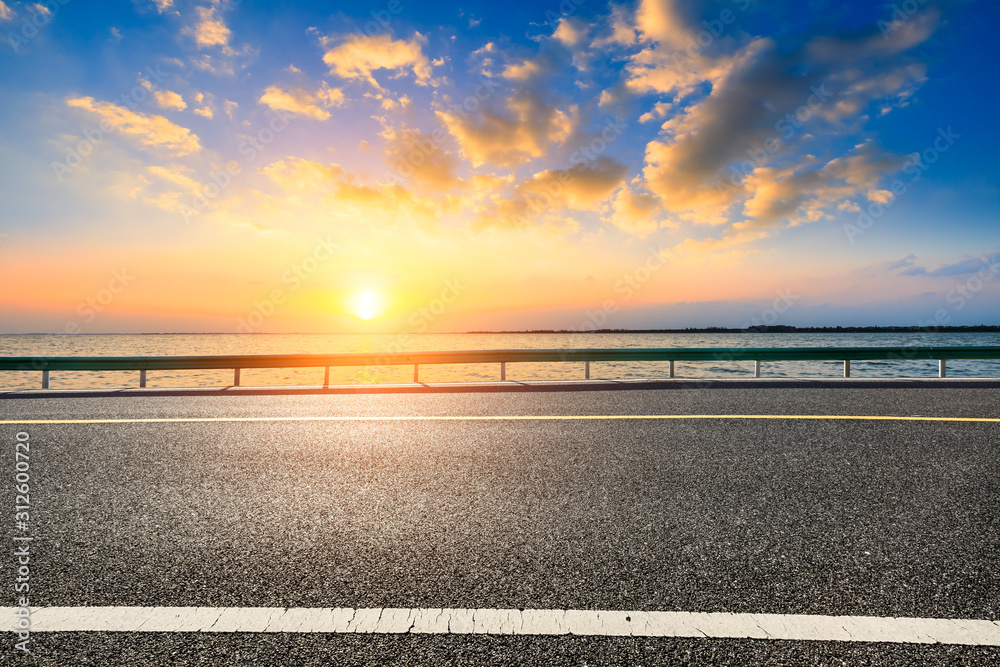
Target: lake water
(213, 344)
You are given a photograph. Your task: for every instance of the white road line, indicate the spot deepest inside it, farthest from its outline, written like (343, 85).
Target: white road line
(509, 622)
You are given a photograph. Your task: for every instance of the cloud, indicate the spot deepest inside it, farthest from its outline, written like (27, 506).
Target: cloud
(899, 264)
(872, 44)
(728, 243)
(581, 187)
(661, 21)
(300, 101)
(300, 174)
(804, 193)
(539, 201)
(167, 99)
(359, 56)
(659, 110)
(522, 71)
(527, 130)
(205, 112)
(147, 130)
(414, 154)
(163, 5)
(385, 206)
(621, 29)
(174, 175)
(968, 265)
(6, 13)
(746, 127)
(39, 8)
(210, 29)
(570, 31)
(217, 66)
(635, 213)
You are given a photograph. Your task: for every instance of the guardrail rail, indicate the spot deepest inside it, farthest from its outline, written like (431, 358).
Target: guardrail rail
(503, 357)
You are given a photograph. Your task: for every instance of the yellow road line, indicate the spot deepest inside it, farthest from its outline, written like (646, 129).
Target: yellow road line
(473, 418)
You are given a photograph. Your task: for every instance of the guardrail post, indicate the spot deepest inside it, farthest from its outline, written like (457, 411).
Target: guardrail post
(756, 368)
(236, 377)
(416, 373)
(142, 379)
(586, 370)
(847, 368)
(671, 369)
(45, 379)
(326, 377)
(503, 371)
(942, 370)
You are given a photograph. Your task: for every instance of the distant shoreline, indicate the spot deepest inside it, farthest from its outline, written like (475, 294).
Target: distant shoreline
(981, 328)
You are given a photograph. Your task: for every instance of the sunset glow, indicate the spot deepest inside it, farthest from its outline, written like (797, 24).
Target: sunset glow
(204, 165)
(367, 304)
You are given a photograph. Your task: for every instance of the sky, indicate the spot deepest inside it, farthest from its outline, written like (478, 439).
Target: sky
(213, 166)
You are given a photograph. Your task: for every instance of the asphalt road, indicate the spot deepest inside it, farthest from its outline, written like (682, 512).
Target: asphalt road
(877, 518)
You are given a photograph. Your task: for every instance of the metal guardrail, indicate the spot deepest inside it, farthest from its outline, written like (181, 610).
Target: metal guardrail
(237, 362)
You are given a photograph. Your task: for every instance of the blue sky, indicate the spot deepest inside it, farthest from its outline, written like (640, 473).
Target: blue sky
(842, 152)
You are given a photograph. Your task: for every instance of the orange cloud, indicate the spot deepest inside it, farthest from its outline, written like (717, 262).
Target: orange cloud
(300, 101)
(581, 187)
(210, 29)
(414, 154)
(146, 130)
(358, 56)
(635, 213)
(167, 99)
(528, 130)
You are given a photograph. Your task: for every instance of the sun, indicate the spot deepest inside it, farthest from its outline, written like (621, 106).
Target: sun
(367, 304)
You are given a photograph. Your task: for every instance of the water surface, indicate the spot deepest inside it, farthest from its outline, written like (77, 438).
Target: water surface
(212, 344)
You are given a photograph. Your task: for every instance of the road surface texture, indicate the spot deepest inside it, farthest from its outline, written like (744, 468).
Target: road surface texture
(512, 501)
